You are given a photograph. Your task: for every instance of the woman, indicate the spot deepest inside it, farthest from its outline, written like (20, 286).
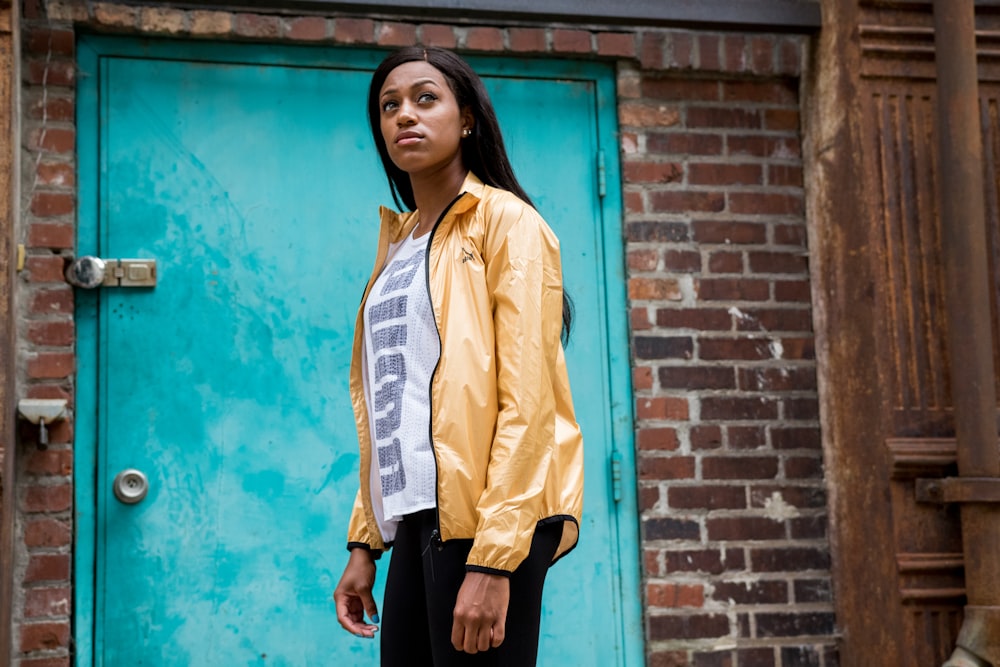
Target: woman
(471, 457)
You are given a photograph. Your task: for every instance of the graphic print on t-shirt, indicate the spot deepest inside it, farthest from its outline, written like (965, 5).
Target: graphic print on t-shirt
(403, 348)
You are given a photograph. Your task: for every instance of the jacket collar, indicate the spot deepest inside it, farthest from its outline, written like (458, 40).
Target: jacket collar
(398, 225)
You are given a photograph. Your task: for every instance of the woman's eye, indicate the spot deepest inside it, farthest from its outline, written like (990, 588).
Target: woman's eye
(426, 97)
(389, 105)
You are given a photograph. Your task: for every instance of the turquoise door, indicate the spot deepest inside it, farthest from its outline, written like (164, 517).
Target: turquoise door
(248, 175)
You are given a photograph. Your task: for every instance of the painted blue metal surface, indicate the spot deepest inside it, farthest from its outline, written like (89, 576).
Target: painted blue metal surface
(248, 174)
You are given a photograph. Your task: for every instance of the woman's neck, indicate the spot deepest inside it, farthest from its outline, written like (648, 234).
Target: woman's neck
(433, 194)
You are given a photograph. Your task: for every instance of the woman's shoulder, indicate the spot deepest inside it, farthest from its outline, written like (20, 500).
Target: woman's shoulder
(497, 205)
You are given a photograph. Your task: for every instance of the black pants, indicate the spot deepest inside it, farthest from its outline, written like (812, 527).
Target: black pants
(421, 589)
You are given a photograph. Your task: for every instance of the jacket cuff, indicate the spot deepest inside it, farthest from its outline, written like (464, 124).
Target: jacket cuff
(487, 570)
(374, 553)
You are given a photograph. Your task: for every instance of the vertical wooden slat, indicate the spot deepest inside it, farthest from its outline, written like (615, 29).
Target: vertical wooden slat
(8, 142)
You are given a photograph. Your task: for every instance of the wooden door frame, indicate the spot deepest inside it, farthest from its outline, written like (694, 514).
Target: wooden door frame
(91, 50)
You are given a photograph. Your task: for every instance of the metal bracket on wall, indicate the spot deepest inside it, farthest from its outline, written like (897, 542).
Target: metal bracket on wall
(958, 490)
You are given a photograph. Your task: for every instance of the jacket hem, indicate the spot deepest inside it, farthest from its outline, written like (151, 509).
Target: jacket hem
(375, 553)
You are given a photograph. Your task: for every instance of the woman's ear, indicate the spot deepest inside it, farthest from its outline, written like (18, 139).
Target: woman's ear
(468, 121)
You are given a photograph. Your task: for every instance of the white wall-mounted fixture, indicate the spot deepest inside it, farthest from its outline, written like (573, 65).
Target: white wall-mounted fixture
(42, 411)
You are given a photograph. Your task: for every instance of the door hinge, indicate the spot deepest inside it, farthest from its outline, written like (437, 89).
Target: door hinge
(602, 180)
(616, 476)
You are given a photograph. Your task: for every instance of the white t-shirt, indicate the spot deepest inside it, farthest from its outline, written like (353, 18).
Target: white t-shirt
(402, 348)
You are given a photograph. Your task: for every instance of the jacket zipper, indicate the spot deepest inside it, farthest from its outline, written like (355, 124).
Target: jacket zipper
(436, 533)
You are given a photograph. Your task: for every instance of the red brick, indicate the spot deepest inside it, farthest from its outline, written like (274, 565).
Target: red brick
(723, 117)
(54, 140)
(651, 562)
(696, 377)
(116, 15)
(48, 498)
(722, 349)
(733, 289)
(571, 41)
(707, 560)
(639, 319)
(666, 467)
(51, 235)
(652, 50)
(725, 261)
(688, 626)
(674, 595)
(802, 497)
(392, 33)
(482, 38)
(662, 408)
(792, 290)
(660, 232)
(734, 53)
(307, 28)
(708, 53)
(643, 260)
(527, 40)
(50, 461)
(37, 390)
(784, 175)
(681, 50)
(789, 559)
(738, 409)
(675, 89)
(707, 497)
(51, 204)
(746, 437)
(682, 261)
(760, 203)
(803, 467)
(684, 143)
(51, 333)
(783, 92)
(47, 567)
(668, 659)
(257, 25)
(707, 319)
(777, 379)
(45, 268)
(637, 114)
(784, 148)
(661, 438)
(680, 201)
(51, 365)
(714, 173)
(723, 231)
(706, 436)
(642, 378)
(800, 409)
(634, 202)
(53, 108)
(744, 528)
(752, 592)
(44, 636)
(777, 262)
(796, 437)
(210, 23)
(794, 234)
(55, 41)
(46, 533)
(762, 54)
(786, 120)
(54, 300)
(790, 57)
(57, 661)
(654, 289)
(438, 35)
(739, 467)
(354, 31)
(652, 172)
(616, 44)
(51, 73)
(47, 602)
(57, 174)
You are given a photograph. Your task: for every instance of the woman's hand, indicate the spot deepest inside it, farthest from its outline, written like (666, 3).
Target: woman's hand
(480, 612)
(353, 595)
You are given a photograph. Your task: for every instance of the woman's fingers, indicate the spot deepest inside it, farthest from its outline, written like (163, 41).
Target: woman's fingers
(353, 595)
(480, 612)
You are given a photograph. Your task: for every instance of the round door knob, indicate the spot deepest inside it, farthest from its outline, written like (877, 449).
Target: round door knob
(131, 486)
(87, 272)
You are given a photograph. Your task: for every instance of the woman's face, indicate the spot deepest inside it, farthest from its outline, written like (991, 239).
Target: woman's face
(421, 122)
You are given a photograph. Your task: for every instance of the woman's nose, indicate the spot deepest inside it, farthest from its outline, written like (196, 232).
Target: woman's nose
(406, 116)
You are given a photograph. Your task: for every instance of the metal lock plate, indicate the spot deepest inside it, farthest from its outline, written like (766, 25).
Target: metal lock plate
(131, 486)
(130, 273)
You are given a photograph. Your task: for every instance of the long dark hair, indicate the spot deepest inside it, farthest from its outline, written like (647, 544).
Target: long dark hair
(483, 152)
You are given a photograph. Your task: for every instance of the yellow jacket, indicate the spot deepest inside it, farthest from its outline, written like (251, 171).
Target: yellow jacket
(507, 445)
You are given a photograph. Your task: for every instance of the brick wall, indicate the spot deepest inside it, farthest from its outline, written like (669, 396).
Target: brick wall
(731, 490)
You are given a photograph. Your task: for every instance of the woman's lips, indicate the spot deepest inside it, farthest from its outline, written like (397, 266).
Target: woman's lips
(407, 138)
